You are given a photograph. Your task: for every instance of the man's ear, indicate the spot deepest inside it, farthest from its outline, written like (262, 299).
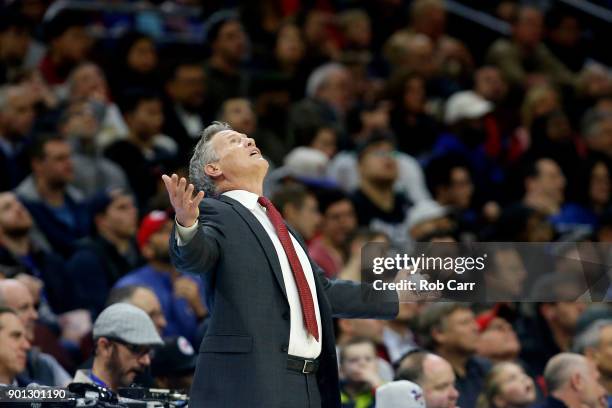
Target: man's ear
(576, 381)
(438, 335)
(213, 170)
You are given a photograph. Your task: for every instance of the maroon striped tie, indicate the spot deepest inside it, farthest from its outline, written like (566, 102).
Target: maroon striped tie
(308, 310)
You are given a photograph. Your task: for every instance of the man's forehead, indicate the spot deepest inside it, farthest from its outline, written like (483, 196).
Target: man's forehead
(225, 135)
(7, 197)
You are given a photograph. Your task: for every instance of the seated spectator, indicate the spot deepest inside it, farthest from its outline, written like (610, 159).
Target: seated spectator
(239, 113)
(507, 385)
(400, 394)
(415, 128)
(433, 374)
(14, 346)
(58, 209)
(339, 220)
(328, 99)
(110, 253)
(573, 381)
(17, 47)
(524, 59)
(299, 208)
(564, 38)
(225, 77)
(450, 330)
(320, 137)
(597, 133)
(124, 337)
(376, 203)
(87, 83)
(428, 17)
(41, 368)
(143, 298)
(594, 342)
(184, 111)
(505, 277)
(498, 341)
(410, 180)
(465, 115)
(68, 45)
(180, 295)
(449, 180)
(359, 372)
(589, 192)
(139, 296)
(80, 126)
(545, 192)
(22, 253)
(16, 118)
(143, 156)
(136, 64)
(551, 329)
(372, 330)
(398, 336)
(174, 364)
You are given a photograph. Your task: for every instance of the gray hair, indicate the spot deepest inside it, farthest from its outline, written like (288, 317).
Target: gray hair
(561, 367)
(203, 154)
(591, 336)
(319, 77)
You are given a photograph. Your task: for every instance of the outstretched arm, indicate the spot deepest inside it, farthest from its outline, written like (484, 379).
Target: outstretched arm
(358, 300)
(197, 249)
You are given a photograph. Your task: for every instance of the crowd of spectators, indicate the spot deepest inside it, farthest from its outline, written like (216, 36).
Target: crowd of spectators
(381, 124)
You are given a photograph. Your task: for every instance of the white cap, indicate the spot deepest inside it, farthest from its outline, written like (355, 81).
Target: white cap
(400, 394)
(466, 105)
(425, 210)
(306, 162)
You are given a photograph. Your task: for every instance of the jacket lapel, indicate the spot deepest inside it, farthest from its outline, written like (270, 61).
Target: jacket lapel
(262, 237)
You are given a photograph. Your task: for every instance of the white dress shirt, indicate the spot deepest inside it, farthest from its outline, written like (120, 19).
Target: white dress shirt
(301, 343)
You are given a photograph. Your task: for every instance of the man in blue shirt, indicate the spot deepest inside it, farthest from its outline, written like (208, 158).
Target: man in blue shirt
(180, 295)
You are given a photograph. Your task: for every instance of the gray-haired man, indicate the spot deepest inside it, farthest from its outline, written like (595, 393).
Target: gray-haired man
(270, 342)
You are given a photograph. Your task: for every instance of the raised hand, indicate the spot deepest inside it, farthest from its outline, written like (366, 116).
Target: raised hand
(186, 206)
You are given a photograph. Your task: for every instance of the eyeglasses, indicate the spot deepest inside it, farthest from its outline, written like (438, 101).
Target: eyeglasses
(136, 350)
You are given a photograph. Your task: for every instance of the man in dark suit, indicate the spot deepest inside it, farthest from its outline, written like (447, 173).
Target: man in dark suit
(270, 342)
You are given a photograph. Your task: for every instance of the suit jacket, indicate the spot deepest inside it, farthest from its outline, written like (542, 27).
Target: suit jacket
(243, 357)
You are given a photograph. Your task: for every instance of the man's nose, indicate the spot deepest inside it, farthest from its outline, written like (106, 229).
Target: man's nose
(250, 142)
(145, 360)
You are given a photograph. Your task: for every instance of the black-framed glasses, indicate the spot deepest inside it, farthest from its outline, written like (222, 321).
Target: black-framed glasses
(136, 350)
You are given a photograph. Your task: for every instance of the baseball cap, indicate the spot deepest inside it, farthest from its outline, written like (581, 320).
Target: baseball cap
(425, 210)
(175, 357)
(466, 105)
(400, 394)
(151, 223)
(127, 323)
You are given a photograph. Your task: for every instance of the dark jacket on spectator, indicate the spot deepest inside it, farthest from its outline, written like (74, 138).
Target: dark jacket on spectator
(60, 235)
(46, 266)
(94, 268)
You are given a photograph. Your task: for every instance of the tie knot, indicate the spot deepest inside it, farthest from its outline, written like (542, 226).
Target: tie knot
(264, 202)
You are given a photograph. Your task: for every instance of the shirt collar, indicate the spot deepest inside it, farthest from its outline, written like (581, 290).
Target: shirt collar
(246, 198)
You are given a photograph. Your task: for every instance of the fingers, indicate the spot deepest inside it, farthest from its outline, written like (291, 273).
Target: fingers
(198, 199)
(188, 195)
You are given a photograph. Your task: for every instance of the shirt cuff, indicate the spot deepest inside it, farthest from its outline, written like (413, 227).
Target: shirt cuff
(184, 234)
